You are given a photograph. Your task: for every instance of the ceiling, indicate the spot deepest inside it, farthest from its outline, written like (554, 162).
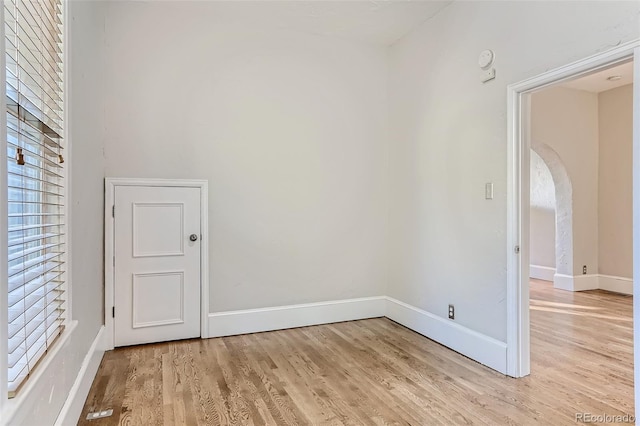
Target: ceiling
(597, 82)
(379, 22)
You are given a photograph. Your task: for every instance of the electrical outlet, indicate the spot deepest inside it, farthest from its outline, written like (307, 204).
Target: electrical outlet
(584, 270)
(99, 414)
(451, 312)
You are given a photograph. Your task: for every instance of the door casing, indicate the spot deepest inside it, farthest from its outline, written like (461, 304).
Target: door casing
(518, 327)
(109, 244)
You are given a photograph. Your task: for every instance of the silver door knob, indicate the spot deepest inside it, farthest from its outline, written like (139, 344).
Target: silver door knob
(193, 237)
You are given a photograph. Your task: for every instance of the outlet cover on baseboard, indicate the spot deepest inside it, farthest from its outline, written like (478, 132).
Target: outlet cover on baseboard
(99, 414)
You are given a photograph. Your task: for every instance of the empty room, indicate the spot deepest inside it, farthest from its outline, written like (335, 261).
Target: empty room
(307, 212)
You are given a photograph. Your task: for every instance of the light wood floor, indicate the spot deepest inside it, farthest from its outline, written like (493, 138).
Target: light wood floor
(377, 372)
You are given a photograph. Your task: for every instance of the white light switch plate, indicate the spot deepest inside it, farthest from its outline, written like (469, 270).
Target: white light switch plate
(488, 191)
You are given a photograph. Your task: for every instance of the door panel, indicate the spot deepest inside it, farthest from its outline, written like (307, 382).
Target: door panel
(147, 242)
(157, 266)
(164, 289)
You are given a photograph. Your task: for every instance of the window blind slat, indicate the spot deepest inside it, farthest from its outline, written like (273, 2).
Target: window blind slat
(28, 227)
(27, 265)
(43, 285)
(27, 29)
(51, 145)
(31, 307)
(46, 25)
(26, 252)
(23, 325)
(46, 81)
(54, 177)
(31, 274)
(50, 149)
(23, 108)
(35, 139)
(21, 371)
(35, 215)
(29, 239)
(30, 328)
(13, 177)
(29, 190)
(33, 157)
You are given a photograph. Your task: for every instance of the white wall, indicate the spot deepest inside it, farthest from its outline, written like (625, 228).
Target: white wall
(86, 127)
(289, 128)
(449, 139)
(542, 219)
(41, 404)
(566, 120)
(615, 182)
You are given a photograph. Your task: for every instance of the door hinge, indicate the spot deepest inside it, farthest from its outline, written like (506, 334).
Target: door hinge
(516, 249)
(113, 211)
(113, 312)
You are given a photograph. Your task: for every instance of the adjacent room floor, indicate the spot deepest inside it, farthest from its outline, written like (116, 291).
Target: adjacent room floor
(378, 372)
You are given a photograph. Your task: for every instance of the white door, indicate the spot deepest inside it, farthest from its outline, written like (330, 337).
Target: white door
(157, 264)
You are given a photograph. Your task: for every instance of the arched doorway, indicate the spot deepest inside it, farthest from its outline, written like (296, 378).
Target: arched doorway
(562, 197)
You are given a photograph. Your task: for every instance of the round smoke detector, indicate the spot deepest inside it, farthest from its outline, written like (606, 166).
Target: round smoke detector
(486, 58)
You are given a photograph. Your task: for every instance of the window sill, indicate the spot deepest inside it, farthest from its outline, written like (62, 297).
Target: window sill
(11, 407)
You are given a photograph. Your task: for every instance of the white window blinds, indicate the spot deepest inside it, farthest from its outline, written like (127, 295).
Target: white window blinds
(34, 116)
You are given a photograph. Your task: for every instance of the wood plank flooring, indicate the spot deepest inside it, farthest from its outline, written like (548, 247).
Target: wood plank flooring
(373, 372)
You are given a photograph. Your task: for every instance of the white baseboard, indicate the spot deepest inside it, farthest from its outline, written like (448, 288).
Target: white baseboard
(585, 282)
(545, 273)
(593, 282)
(72, 408)
(616, 284)
(282, 317)
(563, 282)
(477, 346)
(575, 283)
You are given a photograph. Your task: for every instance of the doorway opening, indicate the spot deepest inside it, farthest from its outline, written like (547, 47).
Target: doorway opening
(518, 233)
(580, 245)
